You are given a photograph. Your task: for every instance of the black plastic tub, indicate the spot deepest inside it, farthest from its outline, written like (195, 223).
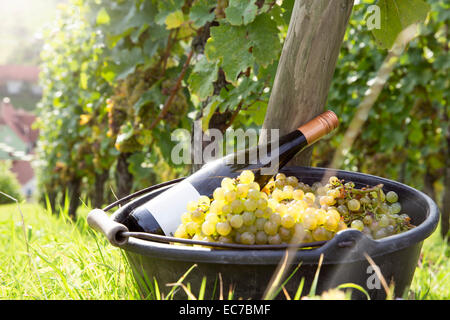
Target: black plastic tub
(249, 272)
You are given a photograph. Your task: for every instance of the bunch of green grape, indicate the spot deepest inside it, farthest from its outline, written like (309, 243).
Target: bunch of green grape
(369, 209)
(289, 211)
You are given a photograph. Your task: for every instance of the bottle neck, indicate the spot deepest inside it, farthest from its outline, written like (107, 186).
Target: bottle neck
(291, 144)
(277, 153)
(319, 126)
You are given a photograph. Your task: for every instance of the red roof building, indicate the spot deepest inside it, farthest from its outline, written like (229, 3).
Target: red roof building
(19, 123)
(19, 73)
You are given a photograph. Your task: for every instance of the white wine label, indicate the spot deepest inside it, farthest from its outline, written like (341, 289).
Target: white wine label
(168, 207)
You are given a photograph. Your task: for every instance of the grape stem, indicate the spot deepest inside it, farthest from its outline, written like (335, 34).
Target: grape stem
(376, 188)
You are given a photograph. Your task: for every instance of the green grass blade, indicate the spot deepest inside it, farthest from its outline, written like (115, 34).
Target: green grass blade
(61, 276)
(298, 294)
(201, 294)
(312, 292)
(157, 292)
(354, 286)
(280, 287)
(180, 280)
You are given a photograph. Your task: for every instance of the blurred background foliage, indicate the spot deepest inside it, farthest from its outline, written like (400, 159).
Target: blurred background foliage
(119, 77)
(405, 136)
(9, 184)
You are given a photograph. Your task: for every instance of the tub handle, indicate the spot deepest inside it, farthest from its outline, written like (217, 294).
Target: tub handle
(98, 219)
(352, 241)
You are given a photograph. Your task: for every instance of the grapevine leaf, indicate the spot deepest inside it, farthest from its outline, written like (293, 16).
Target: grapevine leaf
(442, 63)
(138, 32)
(152, 95)
(135, 165)
(230, 45)
(257, 112)
(128, 16)
(174, 20)
(166, 8)
(166, 147)
(287, 7)
(126, 62)
(395, 16)
(202, 78)
(157, 39)
(208, 113)
(201, 12)
(241, 12)
(103, 17)
(242, 92)
(263, 35)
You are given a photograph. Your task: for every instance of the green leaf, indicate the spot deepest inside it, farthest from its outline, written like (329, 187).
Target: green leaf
(84, 80)
(442, 62)
(257, 112)
(395, 16)
(152, 95)
(127, 16)
(164, 142)
(201, 12)
(287, 6)
(138, 32)
(230, 45)
(241, 12)
(415, 133)
(102, 17)
(135, 165)
(263, 35)
(126, 62)
(157, 39)
(208, 113)
(166, 8)
(202, 78)
(174, 20)
(108, 75)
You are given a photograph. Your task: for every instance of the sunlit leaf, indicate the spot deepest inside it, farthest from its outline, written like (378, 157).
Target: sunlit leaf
(395, 16)
(103, 17)
(174, 20)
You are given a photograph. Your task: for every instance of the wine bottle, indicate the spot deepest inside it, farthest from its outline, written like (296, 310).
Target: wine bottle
(161, 215)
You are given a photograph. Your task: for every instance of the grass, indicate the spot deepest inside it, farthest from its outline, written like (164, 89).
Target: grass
(432, 277)
(52, 258)
(64, 260)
